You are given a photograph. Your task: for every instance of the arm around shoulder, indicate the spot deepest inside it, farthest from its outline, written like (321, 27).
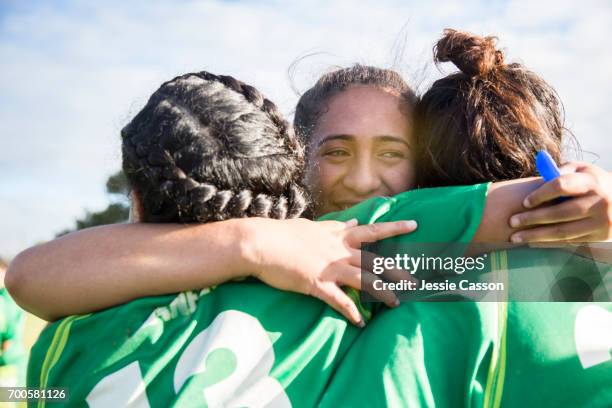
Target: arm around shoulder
(104, 266)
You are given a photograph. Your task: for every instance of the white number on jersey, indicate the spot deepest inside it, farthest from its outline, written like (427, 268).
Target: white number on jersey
(593, 335)
(244, 379)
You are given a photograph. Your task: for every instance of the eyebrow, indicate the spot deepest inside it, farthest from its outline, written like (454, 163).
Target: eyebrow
(349, 138)
(395, 139)
(329, 138)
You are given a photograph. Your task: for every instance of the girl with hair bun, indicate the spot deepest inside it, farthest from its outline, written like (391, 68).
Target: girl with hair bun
(499, 115)
(496, 115)
(487, 122)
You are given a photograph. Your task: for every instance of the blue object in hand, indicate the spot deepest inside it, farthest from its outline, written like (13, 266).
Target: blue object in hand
(546, 166)
(548, 169)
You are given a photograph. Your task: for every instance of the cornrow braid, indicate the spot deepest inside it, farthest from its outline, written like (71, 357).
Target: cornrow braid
(207, 148)
(255, 97)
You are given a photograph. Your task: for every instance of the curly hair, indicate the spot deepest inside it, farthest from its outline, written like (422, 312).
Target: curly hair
(485, 122)
(207, 148)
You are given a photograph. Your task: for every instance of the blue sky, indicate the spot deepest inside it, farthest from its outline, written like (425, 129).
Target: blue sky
(73, 73)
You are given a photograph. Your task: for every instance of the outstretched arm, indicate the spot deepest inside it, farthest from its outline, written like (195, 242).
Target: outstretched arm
(104, 266)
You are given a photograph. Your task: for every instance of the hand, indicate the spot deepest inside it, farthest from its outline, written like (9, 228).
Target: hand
(586, 217)
(318, 257)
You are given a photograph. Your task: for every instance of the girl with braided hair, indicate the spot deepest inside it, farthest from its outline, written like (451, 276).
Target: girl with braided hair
(204, 148)
(176, 180)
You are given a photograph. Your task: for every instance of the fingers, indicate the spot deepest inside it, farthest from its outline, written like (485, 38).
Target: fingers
(362, 259)
(573, 184)
(335, 297)
(571, 210)
(585, 240)
(388, 297)
(581, 166)
(339, 225)
(569, 167)
(379, 231)
(351, 223)
(364, 280)
(568, 231)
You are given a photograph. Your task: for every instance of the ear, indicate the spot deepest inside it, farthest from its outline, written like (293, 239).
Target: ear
(136, 209)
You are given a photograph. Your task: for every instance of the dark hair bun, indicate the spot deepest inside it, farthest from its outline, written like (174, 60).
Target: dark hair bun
(472, 54)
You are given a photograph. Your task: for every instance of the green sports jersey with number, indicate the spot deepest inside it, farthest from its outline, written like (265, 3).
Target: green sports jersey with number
(241, 344)
(12, 354)
(488, 354)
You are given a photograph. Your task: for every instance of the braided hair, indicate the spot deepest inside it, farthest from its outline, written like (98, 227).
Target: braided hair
(208, 148)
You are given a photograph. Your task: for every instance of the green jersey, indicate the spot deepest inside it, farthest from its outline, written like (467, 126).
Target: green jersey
(467, 354)
(557, 354)
(12, 354)
(241, 344)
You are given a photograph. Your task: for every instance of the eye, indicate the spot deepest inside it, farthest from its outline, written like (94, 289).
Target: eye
(336, 153)
(394, 154)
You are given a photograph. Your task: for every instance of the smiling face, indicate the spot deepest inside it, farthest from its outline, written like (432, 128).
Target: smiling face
(360, 148)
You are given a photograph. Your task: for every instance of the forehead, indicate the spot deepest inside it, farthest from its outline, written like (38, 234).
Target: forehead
(363, 111)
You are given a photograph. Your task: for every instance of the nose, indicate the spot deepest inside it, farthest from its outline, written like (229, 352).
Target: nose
(362, 178)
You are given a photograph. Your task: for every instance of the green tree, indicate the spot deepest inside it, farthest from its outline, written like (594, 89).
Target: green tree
(117, 210)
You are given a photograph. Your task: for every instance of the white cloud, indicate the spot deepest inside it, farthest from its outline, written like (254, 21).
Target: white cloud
(72, 74)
